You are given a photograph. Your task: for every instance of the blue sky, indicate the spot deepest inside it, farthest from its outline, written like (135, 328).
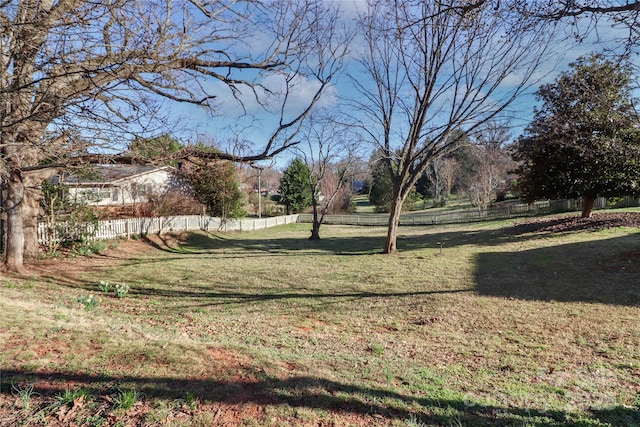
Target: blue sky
(256, 125)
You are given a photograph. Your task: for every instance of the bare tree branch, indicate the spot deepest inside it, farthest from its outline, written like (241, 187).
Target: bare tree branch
(69, 64)
(434, 68)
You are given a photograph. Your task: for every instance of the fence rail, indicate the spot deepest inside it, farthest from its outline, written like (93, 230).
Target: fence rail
(112, 229)
(503, 211)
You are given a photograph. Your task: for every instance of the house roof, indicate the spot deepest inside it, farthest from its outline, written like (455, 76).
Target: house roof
(110, 174)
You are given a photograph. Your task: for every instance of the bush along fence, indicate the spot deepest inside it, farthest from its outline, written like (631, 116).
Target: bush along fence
(136, 227)
(501, 211)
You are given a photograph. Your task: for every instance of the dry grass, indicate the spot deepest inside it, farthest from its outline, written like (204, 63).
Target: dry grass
(268, 328)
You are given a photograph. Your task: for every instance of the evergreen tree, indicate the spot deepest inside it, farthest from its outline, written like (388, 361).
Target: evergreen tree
(381, 192)
(216, 186)
(295, 187)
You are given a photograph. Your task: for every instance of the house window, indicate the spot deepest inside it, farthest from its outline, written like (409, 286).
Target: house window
(94, 195)
(104, 193)
(139, 190)
(115, 195)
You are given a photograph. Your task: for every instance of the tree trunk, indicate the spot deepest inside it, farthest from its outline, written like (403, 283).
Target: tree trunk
(315, 230)
(587, 206)
(390, 246)
(14, 256)
(30, 210)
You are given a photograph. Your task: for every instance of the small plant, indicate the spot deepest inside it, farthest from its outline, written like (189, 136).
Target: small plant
(192, 401)
(24, 394)
(68, 397)
(104, 286)
(91, 248)
(126, 399)
(89, 301)
(121, 290)
(376, 348)
(413, 421)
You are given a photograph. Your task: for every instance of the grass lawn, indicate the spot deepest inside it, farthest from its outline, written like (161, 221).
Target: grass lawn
(267, 328)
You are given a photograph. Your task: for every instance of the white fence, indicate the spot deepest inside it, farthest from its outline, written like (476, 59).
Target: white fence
(502, 211)
(112, 229)
(509, 210)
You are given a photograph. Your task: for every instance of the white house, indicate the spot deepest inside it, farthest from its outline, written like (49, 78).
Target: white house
(111, 185)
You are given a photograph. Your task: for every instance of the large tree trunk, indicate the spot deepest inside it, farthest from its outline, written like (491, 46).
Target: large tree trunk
(14, 256)
(390, 246)
(587, 206)
(30, 210)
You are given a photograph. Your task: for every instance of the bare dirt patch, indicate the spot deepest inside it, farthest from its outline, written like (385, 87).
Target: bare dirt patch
(571, 224)
(71, 266)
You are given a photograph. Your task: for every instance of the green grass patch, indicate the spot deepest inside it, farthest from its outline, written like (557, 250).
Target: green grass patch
(499, 328)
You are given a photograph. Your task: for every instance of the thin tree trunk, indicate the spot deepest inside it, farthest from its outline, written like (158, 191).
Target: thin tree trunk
(390, 245)
(587, 206)
(315, 229)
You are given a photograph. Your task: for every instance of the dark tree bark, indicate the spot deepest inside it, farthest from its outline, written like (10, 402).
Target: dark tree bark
(587, 206)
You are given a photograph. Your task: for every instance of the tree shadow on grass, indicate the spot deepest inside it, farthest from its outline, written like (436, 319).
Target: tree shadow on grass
(316, 394)
(208, 296)
(603, 271)
(366, 244)
(203, 246)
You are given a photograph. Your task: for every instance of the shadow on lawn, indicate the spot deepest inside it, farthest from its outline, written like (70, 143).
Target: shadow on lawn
(206, 296)
(601, 271)
(203, 246)
(201, 243)
(313, 393)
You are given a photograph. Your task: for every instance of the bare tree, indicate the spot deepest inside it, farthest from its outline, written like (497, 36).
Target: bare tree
(431, 69)
(111, 65)
(441, 176)
(486, 167)
(331, 155)
(337, 181)
(585, 18)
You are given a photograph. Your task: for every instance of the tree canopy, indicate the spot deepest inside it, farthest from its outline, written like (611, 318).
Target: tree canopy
(216, 186)
(295, 187)
(584, 141)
